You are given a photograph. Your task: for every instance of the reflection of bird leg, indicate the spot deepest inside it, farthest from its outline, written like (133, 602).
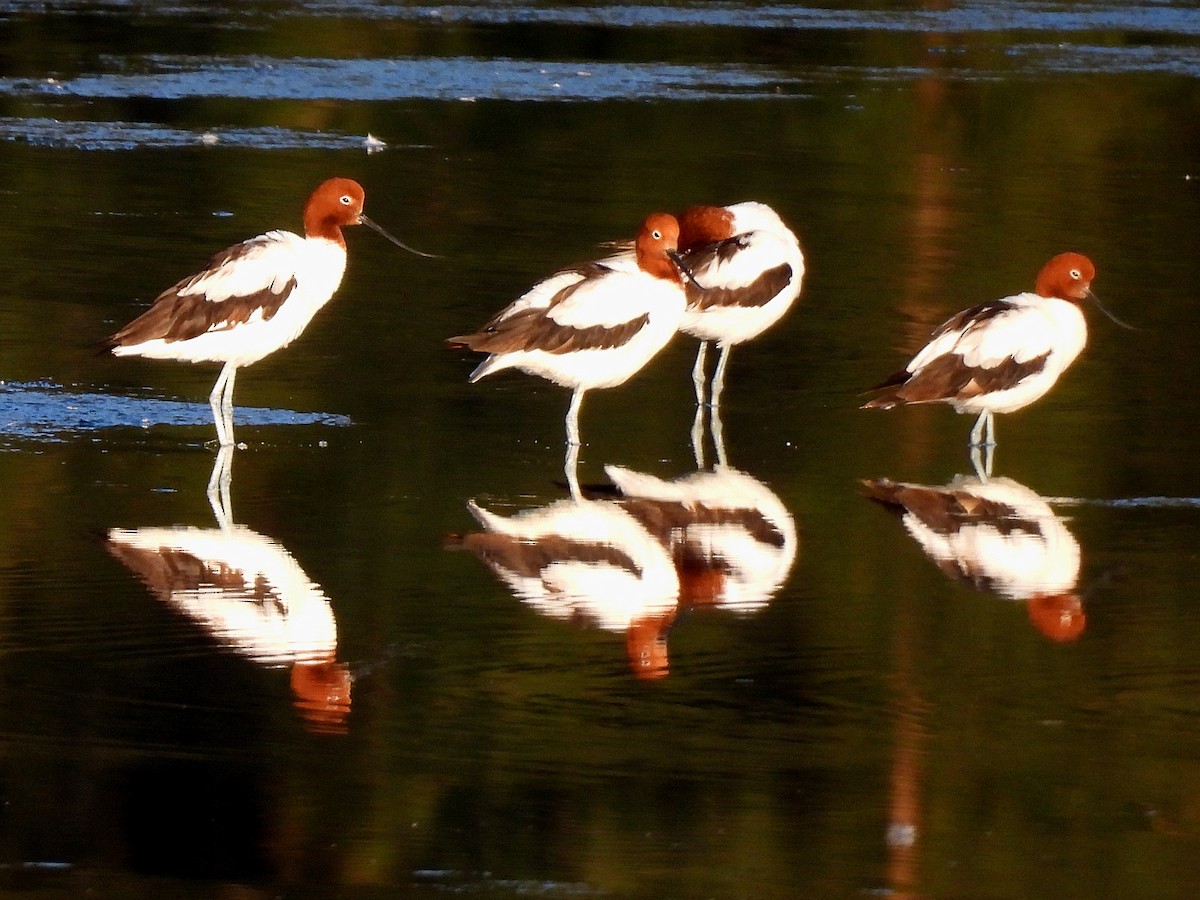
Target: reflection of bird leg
(715, 426)
(698, 436)
(718, 383)
(981, 460)
(718, 430)
(571, 469)
(219, 483)
(698, 378)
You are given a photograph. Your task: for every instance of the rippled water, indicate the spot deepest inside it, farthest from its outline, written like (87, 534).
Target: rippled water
(381, 651)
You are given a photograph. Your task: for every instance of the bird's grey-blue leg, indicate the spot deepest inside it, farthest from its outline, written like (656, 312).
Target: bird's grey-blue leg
(221, 402)
(571, 468)
(983, 425)
(573, 417)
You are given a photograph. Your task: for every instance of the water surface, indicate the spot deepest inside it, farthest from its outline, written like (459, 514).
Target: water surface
(838, 703)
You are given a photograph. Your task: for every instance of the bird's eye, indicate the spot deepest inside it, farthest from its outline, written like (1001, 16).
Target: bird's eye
(657, 235)
(1075, 274)
(345, 199)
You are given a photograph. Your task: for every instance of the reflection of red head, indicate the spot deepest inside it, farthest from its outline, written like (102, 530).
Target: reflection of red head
(646, 644)
(1058, 616)
(700, 584)
(322, 695)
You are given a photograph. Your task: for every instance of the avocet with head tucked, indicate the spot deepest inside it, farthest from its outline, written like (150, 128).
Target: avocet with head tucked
(749, 270)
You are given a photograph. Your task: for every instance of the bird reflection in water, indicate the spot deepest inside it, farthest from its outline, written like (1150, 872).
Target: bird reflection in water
(731, 538)
(588, 561)
(250, 595)
(998, 536)
(630, 557)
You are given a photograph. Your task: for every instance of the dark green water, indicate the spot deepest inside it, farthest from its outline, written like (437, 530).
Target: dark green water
(868, 723)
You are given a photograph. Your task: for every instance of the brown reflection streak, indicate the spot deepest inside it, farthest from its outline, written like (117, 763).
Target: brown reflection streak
(907, 771)
(932, 220)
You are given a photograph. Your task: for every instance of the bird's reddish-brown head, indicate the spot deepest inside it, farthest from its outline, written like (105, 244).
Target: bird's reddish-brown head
(1067, 276)
(335, 203)
(657, 245)
(699, 225)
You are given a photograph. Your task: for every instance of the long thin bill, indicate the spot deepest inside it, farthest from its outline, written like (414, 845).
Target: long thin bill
(363, 220)
(684, 270)
(1104, 309)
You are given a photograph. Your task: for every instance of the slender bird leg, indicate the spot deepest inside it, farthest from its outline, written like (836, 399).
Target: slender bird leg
(227, 405)
(698, 437)
(219, 483)
(571, 468)
(991, 430)
(977, 431)
(718, 384)
(216, 400)
(698, 377)
(718, 433)
(573, 417)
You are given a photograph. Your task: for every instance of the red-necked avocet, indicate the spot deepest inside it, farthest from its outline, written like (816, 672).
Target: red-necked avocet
(593, 325)
(252, 298)
(1002, 355)
(748, 270)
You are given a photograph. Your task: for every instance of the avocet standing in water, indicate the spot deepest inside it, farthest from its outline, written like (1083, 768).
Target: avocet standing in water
(590, 326)
(749, 269)
(252, 298)
(1002, 355)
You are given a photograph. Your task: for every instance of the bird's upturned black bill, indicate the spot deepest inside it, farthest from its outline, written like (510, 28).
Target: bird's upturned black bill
(1104, 309)
(395, 240)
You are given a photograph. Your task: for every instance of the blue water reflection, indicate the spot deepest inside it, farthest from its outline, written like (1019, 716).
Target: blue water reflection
(51, 412)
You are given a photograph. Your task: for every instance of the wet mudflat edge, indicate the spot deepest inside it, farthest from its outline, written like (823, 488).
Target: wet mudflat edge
(870, 718)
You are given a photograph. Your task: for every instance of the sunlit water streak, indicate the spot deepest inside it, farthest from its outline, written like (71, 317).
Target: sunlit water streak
(1129, 502)
(996, 16)
(470, 79)
(47, 412)
(455, 78)
(84, 135)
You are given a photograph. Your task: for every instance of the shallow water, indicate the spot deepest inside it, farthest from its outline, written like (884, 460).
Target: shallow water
(383, 704)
